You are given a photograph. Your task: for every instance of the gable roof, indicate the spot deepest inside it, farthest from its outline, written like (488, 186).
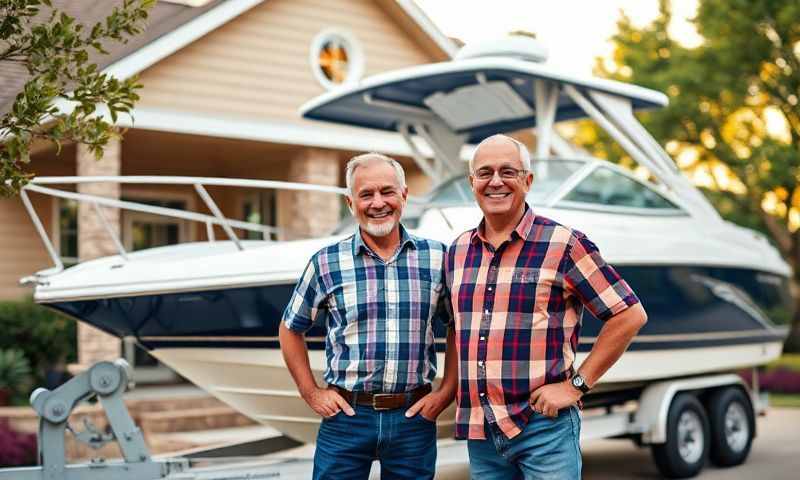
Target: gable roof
(164, 18)
(172, 26)
(413, 18)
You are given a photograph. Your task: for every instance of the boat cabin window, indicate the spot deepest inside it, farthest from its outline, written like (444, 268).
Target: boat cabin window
(604, 186)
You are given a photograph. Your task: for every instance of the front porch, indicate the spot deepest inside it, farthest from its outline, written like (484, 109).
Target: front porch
(78, 234)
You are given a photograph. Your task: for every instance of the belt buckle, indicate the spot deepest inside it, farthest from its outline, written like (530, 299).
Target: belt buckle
(376, 400)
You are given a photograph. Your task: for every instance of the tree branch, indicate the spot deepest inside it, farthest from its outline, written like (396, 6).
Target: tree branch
(779, 232)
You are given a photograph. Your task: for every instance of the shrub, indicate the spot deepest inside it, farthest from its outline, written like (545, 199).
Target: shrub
(16, 449)
(777, 380)
(46, 338)
(15, 373)
(781, 380)
(789, 361)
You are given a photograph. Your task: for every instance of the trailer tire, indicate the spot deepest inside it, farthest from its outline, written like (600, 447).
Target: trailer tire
(732, 426)
(685, 452)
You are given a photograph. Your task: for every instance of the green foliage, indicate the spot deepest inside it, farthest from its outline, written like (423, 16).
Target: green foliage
(14, 369)
(784, 400)
(55, 54)
(726, 97)
(47, 339)
(789, 361)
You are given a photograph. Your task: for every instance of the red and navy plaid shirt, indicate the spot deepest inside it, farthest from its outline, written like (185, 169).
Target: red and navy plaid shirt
(517, 313)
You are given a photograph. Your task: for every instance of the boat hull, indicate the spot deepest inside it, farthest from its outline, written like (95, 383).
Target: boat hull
(226, 341)
(255, 381)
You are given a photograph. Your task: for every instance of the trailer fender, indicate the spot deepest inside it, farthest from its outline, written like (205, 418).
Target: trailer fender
(650, 418)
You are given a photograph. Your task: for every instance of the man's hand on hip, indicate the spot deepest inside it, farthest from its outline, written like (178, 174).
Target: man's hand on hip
(327, 402)
(429, 406)
(549, 399)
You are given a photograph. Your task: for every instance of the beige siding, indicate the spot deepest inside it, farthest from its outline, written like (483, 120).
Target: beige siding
(257, 65)
(23, 253)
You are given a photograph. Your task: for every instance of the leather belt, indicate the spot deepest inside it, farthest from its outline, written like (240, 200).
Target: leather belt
(384, 401)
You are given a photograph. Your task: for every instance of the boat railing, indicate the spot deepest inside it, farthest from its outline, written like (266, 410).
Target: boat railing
(44, 185)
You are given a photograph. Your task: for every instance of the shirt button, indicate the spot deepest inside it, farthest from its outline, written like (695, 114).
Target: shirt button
(483, 338)
(480, 364)
(482, 394)
(486, 311)
(489, 288)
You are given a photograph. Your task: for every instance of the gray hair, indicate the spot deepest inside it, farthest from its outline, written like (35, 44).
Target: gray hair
(524, 155)
(372, 157)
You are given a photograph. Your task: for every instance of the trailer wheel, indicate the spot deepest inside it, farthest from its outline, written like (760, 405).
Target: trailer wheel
(685, 452)
(732, 426)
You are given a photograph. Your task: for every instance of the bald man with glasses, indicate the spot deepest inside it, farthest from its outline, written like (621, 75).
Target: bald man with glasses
(519, 283)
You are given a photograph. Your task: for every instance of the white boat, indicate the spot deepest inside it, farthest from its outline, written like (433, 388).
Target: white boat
(717, 295)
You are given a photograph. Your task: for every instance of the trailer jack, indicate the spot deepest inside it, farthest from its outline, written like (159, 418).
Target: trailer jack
(107, 381)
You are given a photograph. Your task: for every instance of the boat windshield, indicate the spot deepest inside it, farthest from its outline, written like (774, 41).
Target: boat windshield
(548, 176)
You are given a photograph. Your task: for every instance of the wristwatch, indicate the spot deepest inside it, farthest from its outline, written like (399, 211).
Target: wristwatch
(579, 383)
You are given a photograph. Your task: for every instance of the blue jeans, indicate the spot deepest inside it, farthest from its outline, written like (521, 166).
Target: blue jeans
(547, 448)
(346, 446)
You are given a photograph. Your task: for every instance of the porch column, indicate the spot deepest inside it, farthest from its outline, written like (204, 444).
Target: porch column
(309, 214)
(94, 242)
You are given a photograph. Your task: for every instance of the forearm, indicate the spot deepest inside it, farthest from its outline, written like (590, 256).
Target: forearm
(450, 377)
(295, 354)
(611, 343)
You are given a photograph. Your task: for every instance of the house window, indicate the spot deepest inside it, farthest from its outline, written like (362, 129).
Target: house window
(336, 58)
(259, 208)
(68, 231)
(141, 230)
(145, 230)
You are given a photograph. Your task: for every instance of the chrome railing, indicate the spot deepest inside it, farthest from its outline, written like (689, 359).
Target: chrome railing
(43, 185)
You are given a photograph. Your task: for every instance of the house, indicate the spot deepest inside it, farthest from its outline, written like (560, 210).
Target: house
(222, 84)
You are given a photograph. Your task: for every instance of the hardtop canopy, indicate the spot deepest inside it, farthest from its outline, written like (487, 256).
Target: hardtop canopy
(476, 97)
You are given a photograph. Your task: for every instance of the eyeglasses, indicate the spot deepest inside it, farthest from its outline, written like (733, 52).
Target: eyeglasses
(506, 173)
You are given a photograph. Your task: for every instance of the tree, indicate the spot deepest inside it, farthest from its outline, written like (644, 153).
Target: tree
(55, 50)
(733, 118)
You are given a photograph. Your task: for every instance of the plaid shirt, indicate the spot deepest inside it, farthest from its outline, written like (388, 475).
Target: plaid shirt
(517, 313)
(379, 314)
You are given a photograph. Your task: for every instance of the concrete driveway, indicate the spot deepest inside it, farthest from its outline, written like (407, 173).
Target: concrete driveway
(775, 455)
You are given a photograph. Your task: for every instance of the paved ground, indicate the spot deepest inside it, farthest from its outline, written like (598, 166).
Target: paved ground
(775, 455)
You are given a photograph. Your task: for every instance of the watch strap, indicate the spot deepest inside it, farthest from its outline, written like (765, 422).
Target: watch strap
(583, 387)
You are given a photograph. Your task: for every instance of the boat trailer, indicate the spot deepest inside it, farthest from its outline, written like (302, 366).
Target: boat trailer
(106, 381)
(648, 424)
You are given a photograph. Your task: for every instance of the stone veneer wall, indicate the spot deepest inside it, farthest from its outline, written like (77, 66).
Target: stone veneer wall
(312, 213)
(94, 241)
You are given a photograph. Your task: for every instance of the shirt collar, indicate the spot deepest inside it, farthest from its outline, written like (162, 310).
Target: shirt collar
(522, 229)
(360, 247)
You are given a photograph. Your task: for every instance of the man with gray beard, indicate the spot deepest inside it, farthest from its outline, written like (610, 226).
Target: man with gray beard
(379, 292)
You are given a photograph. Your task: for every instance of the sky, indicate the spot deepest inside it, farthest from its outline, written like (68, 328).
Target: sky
(575, 32)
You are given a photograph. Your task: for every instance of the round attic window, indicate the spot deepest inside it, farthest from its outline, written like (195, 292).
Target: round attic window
(336, 58)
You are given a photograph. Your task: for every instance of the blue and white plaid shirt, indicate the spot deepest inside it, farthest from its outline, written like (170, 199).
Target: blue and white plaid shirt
(379, 314)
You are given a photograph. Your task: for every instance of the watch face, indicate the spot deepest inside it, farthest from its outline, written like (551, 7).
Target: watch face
(577, 381)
